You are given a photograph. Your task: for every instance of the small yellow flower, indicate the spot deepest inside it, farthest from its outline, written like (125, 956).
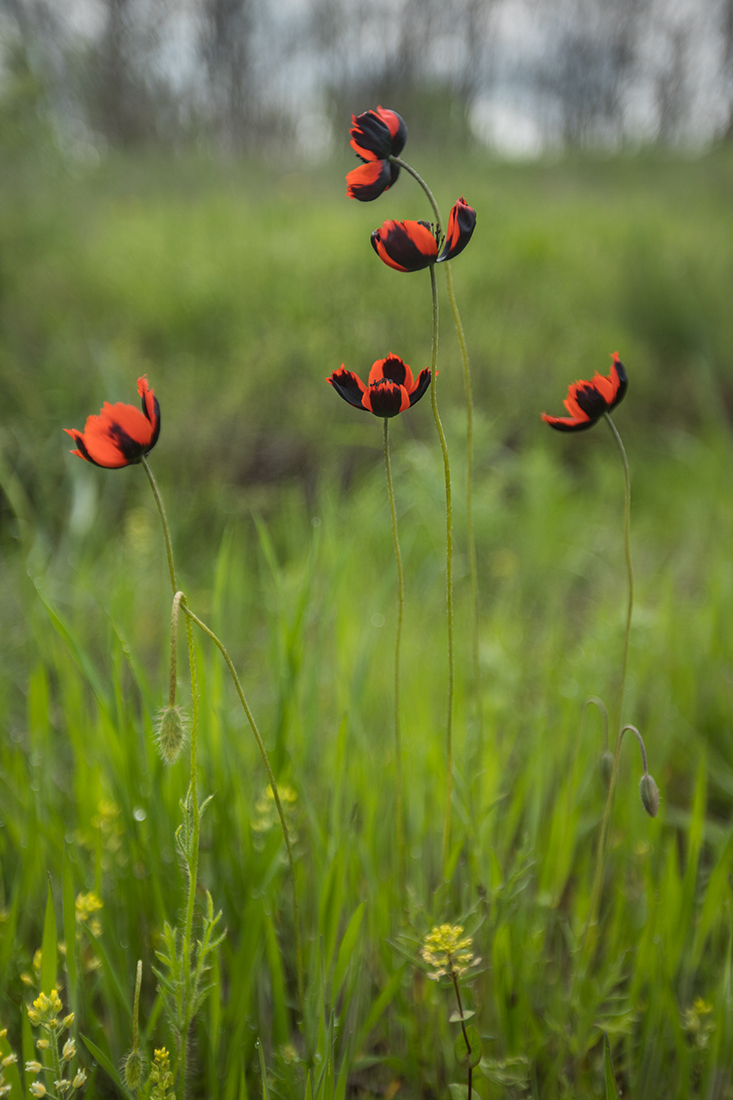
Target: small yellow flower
(9, 1060)
(69, 1050)
(79, 1079)
(37, 1089)
(43, 1044)
(445, 950)
(86, 904)
(68, 1020)
(33, 1067)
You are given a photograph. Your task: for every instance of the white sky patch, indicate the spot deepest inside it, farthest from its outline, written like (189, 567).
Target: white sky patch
(506, 128)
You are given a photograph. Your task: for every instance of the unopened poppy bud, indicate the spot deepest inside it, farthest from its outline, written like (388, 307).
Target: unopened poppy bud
(606, 766)
(649, 795)
(133, 1069)
(171, 734)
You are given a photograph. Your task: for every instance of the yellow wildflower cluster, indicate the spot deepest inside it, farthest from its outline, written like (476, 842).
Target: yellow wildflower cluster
(107, 821)
(85, 905)
(161, 1076)
(44, 1013)
(446, 951)
(7, 1060)
(697, 1023)
(266, 810)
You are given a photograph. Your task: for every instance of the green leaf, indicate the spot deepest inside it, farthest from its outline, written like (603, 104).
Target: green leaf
(346, 949)
(465, 1056)
(69, 915)
(49, 957)
(612, 1092)
(459, 1092)
(263, 1070)
(461, 1017)
(105, 1063)
(308, 1087)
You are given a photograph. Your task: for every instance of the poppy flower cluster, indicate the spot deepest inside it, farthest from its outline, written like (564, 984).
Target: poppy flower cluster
(587, 402)
(390, 390)
(121, 435)
(375, 137)
(412, 246)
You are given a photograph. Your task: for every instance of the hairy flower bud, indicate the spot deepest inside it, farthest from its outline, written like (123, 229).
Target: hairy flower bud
(649, 795)
(171, 734)
(134, 1066)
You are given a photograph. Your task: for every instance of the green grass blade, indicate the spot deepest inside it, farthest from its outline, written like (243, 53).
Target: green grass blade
(346, 950)
(69, 918)
(49, 950)
(611, 1087)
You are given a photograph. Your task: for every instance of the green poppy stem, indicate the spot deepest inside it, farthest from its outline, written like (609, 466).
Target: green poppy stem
(600, 858)
(193, 855)
(473, 566)
(273, 787)
(398, 639)
(448, 578)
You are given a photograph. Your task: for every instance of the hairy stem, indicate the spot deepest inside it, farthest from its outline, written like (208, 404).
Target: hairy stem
(273, 786)
(398, 639)
(463, 1029)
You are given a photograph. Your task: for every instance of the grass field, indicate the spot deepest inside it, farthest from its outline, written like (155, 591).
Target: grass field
(238, 288)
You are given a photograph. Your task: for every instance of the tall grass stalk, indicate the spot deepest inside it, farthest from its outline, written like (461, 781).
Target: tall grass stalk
(398, 640)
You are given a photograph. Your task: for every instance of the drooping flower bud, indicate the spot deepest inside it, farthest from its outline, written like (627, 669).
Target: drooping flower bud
(134, 1066)
(606, 767)
(649, 795)
(171, 734)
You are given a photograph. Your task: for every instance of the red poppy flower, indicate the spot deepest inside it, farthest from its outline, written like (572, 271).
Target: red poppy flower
(390, 391)
(375, 137)
(411, 246)
(588, 401)
(121, 434)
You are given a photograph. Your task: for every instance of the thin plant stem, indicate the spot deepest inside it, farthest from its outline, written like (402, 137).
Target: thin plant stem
(431, 197)
(463, 1029)
(473, 567)
(449, 577)
(600, 858)
(174, 649)
(398, 639)
(273, 786)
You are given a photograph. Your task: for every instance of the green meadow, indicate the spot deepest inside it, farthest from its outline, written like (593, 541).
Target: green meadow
(237, 287)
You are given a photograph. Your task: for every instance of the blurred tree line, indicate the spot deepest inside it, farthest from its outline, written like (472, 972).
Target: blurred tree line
(250, 74)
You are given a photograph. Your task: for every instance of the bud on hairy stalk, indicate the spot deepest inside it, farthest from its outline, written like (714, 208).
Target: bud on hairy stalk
(649, 794)
(134, 1063)
(171, 733)
(606, 767)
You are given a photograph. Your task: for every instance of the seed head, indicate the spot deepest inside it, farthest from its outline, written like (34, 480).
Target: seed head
(649, 795)
(171, 734)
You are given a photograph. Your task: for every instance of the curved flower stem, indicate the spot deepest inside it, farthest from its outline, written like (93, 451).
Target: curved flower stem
(273, 786)
(398, 639)
(426, 189)
(469, 448)
(600, 858)
(448, 572)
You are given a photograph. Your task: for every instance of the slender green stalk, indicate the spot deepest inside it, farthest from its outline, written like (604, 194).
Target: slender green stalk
(469, 451)
(426, 189)
(193, 854)
(463, 1029)
(473, 566)
(273, 786)
(600, 858)
(398, 639)
(449, 575)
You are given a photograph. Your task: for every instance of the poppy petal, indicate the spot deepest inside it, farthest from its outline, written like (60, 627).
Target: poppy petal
(349, 386)
(150, 407)
(405, 246)
(423, 381)
(395, 370)
(386, 398)
(369, 180)
(370, 136)
(618, 372)
(568, 423)
(397, 129)
(461, 224)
